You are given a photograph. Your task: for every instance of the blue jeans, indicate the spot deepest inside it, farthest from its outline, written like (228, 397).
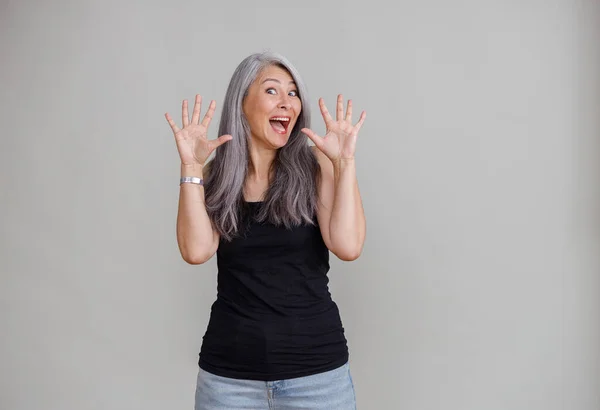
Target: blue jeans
(331, 390)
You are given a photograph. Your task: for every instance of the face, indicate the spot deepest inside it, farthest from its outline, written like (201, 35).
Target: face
(272, 107)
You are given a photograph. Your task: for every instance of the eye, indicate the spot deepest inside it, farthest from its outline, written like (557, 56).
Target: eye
(293, 93)
(271, 91)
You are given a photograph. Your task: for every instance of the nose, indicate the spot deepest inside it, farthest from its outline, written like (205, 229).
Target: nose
(285, 102)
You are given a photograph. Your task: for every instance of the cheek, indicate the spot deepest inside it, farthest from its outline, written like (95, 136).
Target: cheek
(298, 109)
(260, 111)
(254, 115)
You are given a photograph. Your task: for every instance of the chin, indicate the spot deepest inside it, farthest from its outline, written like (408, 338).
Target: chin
(280, 140)
(280, 145)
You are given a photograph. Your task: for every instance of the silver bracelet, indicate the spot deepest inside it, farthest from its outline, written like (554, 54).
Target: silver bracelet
(193, 180)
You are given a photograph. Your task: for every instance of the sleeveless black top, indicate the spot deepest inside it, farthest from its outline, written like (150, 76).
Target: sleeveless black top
(274, 317)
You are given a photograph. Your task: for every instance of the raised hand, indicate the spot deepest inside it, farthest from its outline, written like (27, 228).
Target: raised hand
(192, 142)
(339, 142)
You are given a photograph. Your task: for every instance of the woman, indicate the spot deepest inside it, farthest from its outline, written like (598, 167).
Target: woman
(272, 208)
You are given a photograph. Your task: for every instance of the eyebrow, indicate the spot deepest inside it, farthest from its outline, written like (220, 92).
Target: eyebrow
(276, 80)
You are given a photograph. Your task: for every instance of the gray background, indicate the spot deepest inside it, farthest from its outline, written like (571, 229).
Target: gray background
(479, 166)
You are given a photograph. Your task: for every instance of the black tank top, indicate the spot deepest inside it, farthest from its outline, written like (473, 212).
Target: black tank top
(274, 317)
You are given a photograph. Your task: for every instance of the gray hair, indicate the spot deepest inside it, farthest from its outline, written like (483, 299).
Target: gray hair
(291, 198)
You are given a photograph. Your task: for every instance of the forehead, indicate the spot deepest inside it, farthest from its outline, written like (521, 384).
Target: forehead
(276, 73)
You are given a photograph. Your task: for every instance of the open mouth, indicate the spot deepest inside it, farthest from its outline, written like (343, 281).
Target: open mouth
(280, 124)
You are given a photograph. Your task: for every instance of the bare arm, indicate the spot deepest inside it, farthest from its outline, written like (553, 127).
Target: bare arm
(196, 237)
(340, 211)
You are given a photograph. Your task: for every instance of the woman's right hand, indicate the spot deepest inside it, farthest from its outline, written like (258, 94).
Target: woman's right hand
(192, 143)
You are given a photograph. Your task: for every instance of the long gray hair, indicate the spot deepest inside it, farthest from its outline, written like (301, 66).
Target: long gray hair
(291, 198)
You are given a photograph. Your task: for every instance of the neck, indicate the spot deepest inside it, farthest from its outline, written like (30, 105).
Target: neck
(261, 159)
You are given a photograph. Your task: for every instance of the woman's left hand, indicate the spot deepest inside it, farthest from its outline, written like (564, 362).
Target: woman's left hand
(339, 142)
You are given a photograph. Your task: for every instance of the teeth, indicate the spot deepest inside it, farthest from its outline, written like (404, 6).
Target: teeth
(279, 119)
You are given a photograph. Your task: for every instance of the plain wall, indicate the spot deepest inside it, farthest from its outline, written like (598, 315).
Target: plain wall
(478, 165)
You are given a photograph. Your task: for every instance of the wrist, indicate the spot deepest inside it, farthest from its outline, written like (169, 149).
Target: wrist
(191, 170)
(343, 162)
(343, 165)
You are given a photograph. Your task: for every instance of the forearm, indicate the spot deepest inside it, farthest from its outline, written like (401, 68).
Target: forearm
(195, 235)
(347, 226)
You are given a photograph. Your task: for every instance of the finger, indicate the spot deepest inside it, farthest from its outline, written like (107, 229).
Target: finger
(214, 144)
(209, 114)
(359, 124)
(172, 124)
(324, 111)
(349, 111)
(221, 140)
(196, 114)
(185, 115)
(313, 136)
(340, 108)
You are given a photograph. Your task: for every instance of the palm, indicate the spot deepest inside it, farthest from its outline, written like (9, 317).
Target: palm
(192, 142)
(339, 141)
